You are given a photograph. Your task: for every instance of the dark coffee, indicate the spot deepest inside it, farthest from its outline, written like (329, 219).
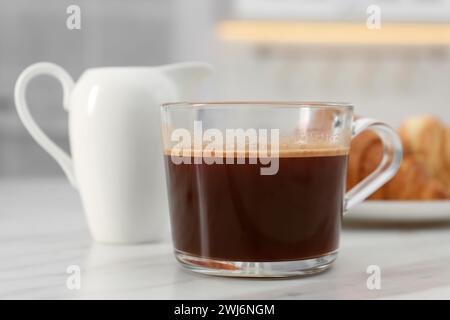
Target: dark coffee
(232, 212)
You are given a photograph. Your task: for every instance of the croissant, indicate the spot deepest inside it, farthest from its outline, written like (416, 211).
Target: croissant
(412, 181)
(427, 139)
(365, 153)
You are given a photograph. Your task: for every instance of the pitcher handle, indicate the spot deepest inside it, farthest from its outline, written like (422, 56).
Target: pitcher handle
(45, 68)
(388, 167)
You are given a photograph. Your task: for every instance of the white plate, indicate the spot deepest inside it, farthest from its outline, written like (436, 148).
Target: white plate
(407, 211)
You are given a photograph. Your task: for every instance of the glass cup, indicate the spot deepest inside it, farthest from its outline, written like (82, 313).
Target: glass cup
(257, 189)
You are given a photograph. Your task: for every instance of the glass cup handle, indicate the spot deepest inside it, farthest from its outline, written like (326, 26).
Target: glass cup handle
(388, 167)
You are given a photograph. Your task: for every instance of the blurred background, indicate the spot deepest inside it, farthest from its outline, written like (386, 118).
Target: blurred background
(262, 49)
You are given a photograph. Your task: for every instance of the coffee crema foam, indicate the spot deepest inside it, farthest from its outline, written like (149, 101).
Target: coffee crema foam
(285, 151)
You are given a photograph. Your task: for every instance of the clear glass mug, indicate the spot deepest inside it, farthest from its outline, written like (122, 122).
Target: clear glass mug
(257, 189)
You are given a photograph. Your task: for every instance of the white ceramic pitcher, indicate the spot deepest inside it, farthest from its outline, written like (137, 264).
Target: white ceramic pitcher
(114, 131)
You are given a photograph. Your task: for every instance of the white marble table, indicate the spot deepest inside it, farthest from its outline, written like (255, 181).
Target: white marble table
(42, 232)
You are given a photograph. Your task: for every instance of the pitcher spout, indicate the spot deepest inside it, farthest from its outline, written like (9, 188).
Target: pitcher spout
(186, 76)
